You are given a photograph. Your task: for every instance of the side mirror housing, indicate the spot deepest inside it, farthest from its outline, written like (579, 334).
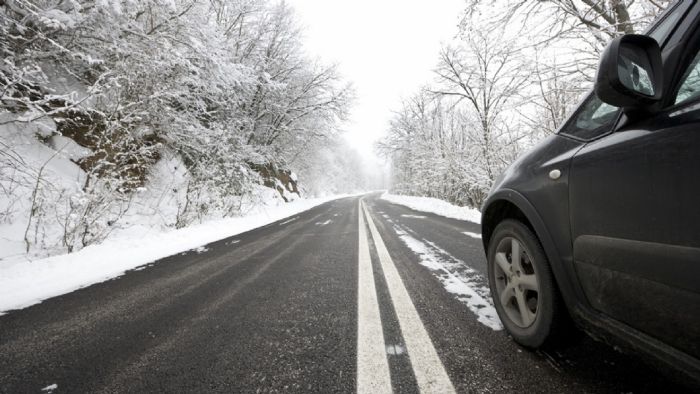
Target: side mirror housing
(630, 73)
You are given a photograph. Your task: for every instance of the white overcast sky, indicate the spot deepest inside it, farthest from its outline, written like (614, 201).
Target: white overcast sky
(386, 48)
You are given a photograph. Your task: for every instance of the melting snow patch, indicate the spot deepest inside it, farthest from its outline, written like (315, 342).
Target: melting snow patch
(413, 216)
(324, 223)
(50, 388)
(457, 277)
(201, 249)
(473, 235)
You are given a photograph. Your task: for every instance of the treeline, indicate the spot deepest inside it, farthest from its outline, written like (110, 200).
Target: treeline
(509, 78)
(219, 87)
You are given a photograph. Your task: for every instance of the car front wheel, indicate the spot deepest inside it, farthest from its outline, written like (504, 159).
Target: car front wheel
(522, 285)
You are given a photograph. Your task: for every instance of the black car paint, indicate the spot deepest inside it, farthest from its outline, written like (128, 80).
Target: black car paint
(568, 213)
(637, 248)
(526, 182)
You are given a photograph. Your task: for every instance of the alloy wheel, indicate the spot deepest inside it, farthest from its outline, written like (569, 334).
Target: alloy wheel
(517, 285)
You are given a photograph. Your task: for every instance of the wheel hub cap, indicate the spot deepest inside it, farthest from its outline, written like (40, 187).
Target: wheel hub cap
(517, 284)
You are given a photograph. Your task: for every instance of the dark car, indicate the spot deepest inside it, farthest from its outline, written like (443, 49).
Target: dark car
(600, 223)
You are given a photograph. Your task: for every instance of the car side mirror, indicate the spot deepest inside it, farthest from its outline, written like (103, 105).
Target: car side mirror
(630, 73)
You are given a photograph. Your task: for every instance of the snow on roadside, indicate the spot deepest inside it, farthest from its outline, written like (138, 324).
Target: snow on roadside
(24, 283)
(457, 277)
(434, 205)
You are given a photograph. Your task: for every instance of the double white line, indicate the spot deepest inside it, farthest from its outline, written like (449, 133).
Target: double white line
(373, 374)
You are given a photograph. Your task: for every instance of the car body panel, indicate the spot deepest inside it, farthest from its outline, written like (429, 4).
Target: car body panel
(527, 184)
(635, 222)
(628, 262)
(545, 204)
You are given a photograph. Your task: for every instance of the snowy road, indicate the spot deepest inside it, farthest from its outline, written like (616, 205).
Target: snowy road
(276, 310)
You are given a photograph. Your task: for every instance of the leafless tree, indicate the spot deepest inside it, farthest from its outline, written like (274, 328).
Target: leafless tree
(488, 76)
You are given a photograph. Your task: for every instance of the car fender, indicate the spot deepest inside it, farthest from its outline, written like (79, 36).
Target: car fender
(561, 268)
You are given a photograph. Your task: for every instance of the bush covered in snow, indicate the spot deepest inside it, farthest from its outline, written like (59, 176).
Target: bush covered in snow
(163, 107)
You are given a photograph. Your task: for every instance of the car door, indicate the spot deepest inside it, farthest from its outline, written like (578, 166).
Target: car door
(635, 219)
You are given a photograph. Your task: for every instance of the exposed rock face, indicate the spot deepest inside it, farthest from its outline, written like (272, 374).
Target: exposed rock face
(130, 156)
(114, 151)
(281, 180)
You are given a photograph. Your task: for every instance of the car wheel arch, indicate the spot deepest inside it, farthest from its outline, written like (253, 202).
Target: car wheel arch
(509, 204)
(498, 211)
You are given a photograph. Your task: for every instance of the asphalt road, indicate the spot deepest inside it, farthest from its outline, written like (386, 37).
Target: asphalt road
(276, 310)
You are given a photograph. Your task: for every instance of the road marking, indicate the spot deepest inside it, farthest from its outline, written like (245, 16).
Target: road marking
(289, 221)
(413, 216)
(324, 223)
(372, 366)
(427, 367)
(471, 234)
(395, 350)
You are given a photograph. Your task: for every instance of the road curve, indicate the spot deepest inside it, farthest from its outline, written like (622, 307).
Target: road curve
(276, 310)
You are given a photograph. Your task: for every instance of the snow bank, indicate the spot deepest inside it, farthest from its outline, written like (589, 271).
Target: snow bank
(24, 283)
(22, 158)
(436, 206)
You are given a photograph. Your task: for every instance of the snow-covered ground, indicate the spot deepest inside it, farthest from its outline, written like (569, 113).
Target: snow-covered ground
(45, 212)
(24, 283)
(436, 206)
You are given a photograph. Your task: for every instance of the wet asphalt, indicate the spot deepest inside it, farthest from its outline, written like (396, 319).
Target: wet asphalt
(275, 310)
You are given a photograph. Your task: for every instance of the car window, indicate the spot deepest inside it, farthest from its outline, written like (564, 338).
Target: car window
(593, 119)
(690, 87)
(669, 19)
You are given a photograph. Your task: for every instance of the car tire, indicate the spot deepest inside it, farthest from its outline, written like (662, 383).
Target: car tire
(524, 291)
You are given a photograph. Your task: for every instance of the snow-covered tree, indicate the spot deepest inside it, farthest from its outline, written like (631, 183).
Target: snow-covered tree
(223, 87)
(510, 77)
